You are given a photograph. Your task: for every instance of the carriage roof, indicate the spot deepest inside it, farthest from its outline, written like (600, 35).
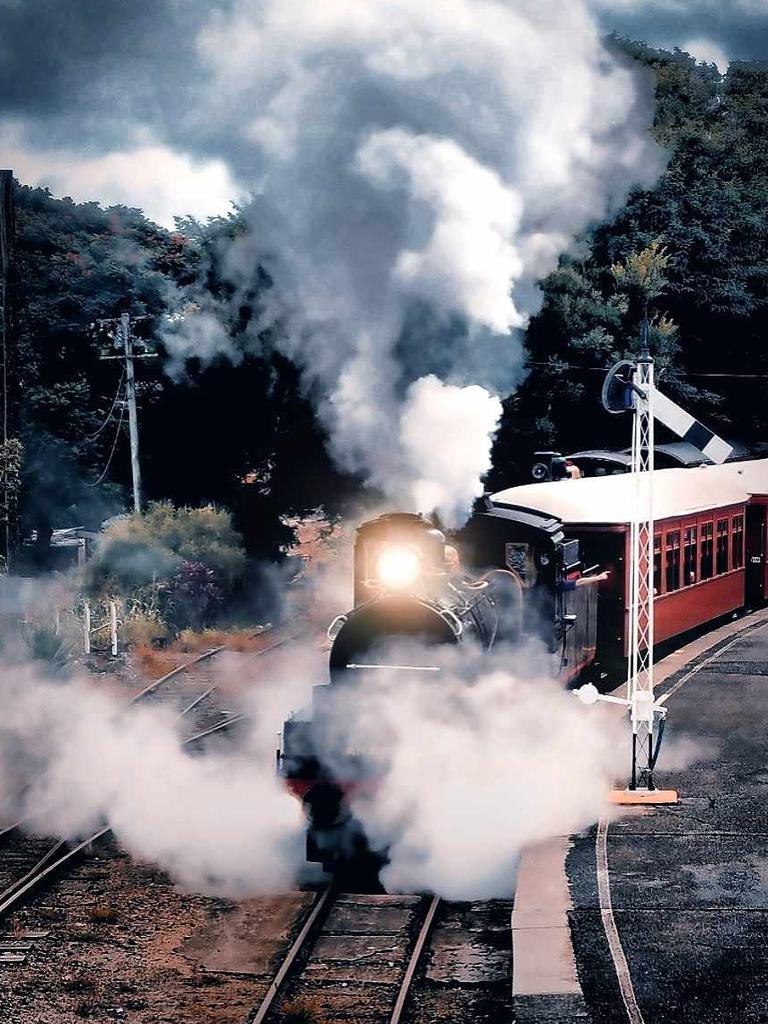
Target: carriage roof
(611, 499)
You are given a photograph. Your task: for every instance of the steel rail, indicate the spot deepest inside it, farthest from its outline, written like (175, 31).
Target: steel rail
(43, 869)
(219, 727)
(14, 894)
(321, 904)
(10, 829)
(413, 963)
(151, 687)
(156, 683)
(33, 871)
(197, 700)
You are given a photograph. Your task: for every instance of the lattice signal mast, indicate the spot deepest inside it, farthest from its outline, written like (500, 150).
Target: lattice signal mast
(630, 386)
(640, 667)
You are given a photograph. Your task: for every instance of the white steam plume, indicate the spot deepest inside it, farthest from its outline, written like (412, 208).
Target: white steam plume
(416, 169)
(439, 429)
(477, 765)
(221, 823)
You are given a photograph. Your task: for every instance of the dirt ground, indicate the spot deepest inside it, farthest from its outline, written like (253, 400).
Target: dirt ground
(115, 940)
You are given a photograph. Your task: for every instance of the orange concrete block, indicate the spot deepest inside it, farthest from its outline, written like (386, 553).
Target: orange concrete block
(643, 796)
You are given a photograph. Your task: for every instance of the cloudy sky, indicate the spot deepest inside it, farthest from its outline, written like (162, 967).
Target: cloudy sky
(113, 101)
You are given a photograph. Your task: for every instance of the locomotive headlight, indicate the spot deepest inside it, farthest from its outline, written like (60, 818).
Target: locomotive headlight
(398, 566)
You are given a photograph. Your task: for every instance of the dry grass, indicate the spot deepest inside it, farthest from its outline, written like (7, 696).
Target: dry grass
(302, 1011)
(143, 628)
(192, 642)
(104, 913)
(151, 662)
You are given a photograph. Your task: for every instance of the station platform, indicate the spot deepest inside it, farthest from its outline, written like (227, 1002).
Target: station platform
(676, 928)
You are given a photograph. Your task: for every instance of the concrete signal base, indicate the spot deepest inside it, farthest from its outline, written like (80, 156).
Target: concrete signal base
(643, 796)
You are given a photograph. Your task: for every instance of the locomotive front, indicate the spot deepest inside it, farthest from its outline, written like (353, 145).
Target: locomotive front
(409, 587)
(411, 596)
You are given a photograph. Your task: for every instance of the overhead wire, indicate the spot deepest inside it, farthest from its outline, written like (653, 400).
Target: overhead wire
(557, 365)
(114, 446)
(92, 437)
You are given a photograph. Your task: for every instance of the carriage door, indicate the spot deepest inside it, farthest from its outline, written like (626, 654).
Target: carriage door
(756, 591)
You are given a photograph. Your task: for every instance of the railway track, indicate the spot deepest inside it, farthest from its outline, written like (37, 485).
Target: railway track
(347, 941)
(27, 861)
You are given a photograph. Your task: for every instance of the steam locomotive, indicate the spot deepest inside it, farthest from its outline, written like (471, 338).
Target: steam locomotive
(411, 592)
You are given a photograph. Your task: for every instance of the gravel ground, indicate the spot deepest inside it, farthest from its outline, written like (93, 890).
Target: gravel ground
(118, 941)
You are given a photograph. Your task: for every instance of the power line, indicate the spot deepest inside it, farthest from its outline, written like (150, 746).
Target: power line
(114, 446)
(556, 365)
(92, 437)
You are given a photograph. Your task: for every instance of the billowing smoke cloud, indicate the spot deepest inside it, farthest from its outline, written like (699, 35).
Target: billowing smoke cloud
(416, 169)
(474, 764)
(222, 823)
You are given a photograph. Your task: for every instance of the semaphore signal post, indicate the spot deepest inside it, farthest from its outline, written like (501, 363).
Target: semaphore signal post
(640, 693)
(630, 387)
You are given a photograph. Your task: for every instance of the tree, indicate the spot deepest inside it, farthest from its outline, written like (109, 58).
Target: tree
(702, 232)
(77, 264)
(233, 429)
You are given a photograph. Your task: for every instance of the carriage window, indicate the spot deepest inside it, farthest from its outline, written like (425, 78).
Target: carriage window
(690, 557)
(673, 561)
(722, 545)
(657, 564)
(737, 542)
(707, 552)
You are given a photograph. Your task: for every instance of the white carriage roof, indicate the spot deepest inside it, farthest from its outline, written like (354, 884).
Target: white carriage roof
(611, 499)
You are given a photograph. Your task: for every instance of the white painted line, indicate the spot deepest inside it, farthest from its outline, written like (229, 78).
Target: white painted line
(708, 661)
(609, 924)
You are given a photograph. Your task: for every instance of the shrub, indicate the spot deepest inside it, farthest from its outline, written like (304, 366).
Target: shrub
(191, 597)
(177, 565)
(191, 534)
(104, 913)
(127, 566)
(44, 644)
(301, 1011)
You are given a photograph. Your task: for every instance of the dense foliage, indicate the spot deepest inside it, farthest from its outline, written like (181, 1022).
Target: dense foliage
(709, 211)
(234, 432)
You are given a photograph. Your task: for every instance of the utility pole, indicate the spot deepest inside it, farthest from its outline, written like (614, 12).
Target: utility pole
(133, 419)
(124, 330)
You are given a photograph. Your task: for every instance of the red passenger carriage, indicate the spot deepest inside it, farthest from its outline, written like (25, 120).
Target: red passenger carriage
(710, 542)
